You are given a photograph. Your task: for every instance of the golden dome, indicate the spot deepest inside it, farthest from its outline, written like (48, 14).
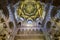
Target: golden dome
(30, 10)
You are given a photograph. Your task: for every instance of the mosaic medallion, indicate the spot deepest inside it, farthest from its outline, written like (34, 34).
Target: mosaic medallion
(30, 10)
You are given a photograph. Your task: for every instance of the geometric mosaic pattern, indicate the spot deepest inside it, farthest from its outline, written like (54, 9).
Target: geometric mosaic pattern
(30, 9)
